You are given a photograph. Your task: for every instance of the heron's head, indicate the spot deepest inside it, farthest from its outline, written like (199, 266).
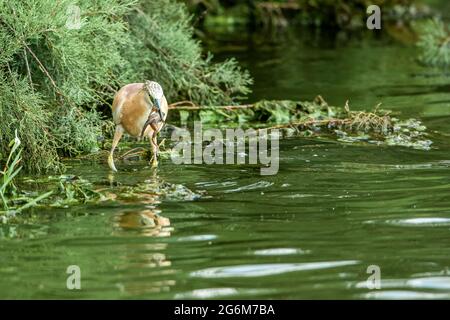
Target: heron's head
(155, 91)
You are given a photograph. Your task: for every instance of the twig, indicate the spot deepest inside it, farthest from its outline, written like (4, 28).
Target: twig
(176, 106)
(41, 66)
(182, 103)
(132, 152)
(28, 67)
(310, 123)
(43, 69)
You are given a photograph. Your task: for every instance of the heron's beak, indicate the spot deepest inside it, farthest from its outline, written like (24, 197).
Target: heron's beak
(158, 107)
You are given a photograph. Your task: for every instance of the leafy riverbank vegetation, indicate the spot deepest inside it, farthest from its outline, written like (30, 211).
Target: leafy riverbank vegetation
(59, 69)
(58, 74)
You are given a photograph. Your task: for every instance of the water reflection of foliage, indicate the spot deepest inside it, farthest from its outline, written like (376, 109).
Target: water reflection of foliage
(70, 190)
(340, 14)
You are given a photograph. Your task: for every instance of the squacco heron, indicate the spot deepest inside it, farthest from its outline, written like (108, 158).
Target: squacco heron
(139, 109)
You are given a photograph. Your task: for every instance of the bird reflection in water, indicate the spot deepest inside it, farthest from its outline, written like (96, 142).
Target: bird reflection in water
(144, 222)
(145, 266)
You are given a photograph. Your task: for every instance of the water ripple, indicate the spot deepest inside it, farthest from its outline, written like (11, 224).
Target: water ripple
(430, 283)
(280, 252)
(200, 237)
(426, 222)
(253, 186)
(207, 293)
(436, 283)
(261, 270)
(404, 295)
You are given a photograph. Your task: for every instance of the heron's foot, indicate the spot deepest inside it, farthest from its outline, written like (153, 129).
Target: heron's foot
(154, 162)
(111, 179)
(111, 163)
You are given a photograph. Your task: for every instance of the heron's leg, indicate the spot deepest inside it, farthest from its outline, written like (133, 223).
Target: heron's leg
(117, 135)
(154, 142)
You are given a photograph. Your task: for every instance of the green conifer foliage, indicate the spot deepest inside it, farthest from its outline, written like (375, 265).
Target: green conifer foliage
(165, 50)
(435, 44)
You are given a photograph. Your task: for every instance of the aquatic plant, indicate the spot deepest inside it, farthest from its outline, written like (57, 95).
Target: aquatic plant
(10, 171)
(11, 199)
(63, 191)
(259, 113)
(315, 117)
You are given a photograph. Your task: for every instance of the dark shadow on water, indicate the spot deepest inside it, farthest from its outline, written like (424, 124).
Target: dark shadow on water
(439, 102)
(411, 90)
